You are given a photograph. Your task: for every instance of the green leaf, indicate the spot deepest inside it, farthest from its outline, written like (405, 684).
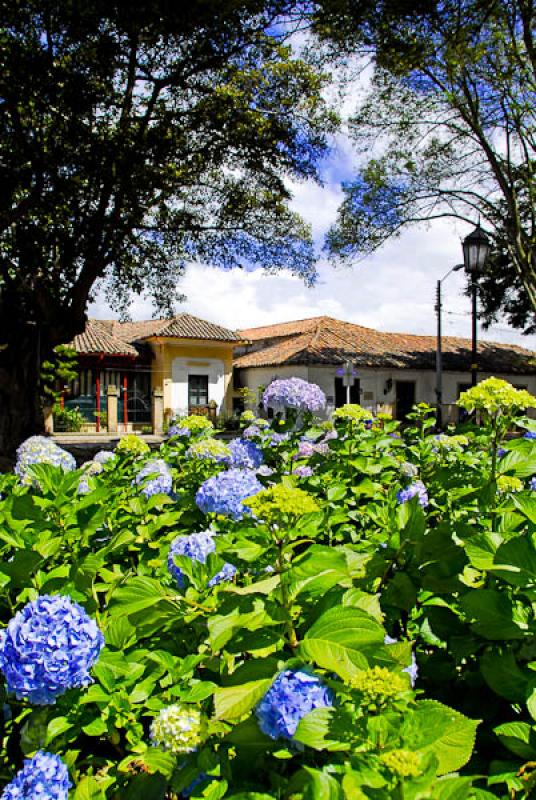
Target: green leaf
(526, 503)
(233, 702)
(502, 674)
(96, 727)
(453, 789)
(146, 787)
(137, 595)
(336, 640)
(89, 789)
(515, 562)
(325, 729)
(317, 571)
(520, 464)
(439, 730)
(519, 738)
(492, 614)
(322, 786)
(56, 727)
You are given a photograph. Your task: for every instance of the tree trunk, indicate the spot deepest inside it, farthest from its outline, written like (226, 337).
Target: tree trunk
(21, 414)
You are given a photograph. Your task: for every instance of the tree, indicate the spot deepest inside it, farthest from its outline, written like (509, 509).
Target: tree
(134, 138)
(447, 129)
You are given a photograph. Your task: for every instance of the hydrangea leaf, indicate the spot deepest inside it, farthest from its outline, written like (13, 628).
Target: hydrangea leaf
(526, 503)
(326, 729)
(492, 614)
(233, 702)
(502, 673)
(519, 738)
(323, 786)
(436, 729)
(317, 571)
(515, 562)
(336, 640)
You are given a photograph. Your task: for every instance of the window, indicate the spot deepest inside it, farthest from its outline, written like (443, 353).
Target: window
(197, 390)
(341, 393)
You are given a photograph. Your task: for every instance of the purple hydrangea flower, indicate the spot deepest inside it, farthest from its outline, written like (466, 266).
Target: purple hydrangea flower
(154, 478)
(501, 452)
(197, 547)
(533, 483)
(331, 435)
(322, 448)
(414, 489)
(245, 455)
(303, 472)
(279, 438)
(529, 435)
(41, 450)
(251, 432)
(294, 393)
(47, 648)
(223, 493)
(292, 695)
(306, 449)
(43, 777)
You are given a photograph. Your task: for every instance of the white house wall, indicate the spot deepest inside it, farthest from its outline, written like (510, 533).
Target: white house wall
(374, 383)
(181, 368)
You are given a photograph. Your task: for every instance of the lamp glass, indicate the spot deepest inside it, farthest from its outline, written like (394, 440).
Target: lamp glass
(476, 248)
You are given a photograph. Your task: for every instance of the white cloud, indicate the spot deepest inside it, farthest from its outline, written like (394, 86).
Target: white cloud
(393, 290)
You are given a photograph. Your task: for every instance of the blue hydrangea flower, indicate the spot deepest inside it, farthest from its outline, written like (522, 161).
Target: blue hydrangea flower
(155, 478)
(303, 472)
(245, 455)
(197, 546)
(47, 648)
(414, 489)
(40, 450)
(501, 452)
(292, 695)
(103, 456)
(43, 777)
(176, 430)
(223, 493)
(265, 471)
(294, 393)
(530, 435)
(533, 483)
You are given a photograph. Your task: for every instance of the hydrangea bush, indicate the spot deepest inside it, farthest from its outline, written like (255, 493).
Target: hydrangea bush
(330, 635)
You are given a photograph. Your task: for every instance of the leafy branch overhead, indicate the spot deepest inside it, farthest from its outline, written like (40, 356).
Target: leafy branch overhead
(446, 130)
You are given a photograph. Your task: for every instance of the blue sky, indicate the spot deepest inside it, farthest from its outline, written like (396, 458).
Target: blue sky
(393, 290)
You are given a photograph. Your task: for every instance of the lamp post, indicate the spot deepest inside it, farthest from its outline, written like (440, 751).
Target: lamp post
(439, 353)
(476, 247)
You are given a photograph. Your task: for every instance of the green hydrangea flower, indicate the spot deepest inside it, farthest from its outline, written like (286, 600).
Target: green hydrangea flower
(352, 411)
(132, 445)
(509, 483)
(495, 395)
(211, 449)
(455, 442)
(379, 687)
(179, 728)
(260, 422)
(247, 416)
(278, 500)
(195, 423)
(403, 763)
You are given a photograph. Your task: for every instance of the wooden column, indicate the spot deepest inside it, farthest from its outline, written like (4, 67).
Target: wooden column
(97, 401)
(125, 401)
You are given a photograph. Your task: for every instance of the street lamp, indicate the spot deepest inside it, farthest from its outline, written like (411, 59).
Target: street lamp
(476, 247)
(439, 365)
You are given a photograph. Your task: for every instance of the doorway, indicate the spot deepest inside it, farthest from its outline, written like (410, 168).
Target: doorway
(405, 398)
(340, 393)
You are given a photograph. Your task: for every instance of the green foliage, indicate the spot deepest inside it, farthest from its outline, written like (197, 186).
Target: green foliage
(57, 372)
(68, 419)
(356, 586)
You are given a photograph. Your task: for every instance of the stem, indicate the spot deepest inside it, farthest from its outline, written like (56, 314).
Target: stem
(285, 599)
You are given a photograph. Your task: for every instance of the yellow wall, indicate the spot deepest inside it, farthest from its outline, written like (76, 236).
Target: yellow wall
(166, 350)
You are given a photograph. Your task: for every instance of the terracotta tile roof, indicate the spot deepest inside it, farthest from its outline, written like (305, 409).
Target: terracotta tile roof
(323, 340)
(120, 338)
(98, 338)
